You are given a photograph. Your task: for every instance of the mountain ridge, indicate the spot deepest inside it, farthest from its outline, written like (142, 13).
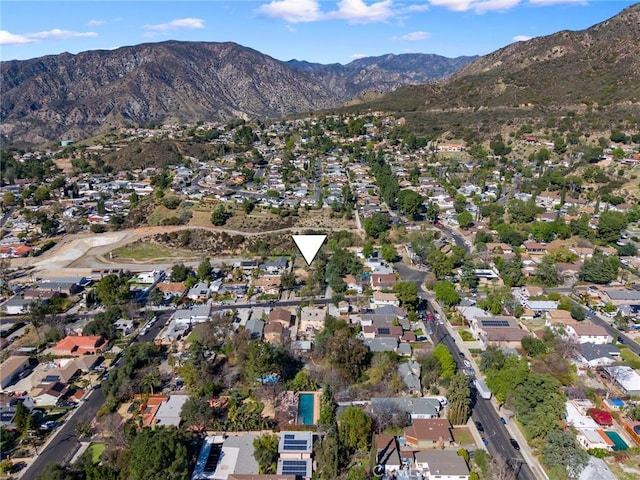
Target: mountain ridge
(76, 95)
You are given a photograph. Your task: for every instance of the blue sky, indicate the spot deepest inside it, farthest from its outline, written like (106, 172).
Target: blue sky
(312, 30)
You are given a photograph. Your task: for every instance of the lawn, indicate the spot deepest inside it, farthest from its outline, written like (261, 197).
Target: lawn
(462, 436)
(631, 358)
(96, 450)
(145, 251)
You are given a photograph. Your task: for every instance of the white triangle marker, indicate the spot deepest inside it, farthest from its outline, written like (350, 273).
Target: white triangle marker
(309, 245)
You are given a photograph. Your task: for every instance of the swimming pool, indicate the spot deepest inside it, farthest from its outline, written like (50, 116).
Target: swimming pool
(305, 408)
(619, 443)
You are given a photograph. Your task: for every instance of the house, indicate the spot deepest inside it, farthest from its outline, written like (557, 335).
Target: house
(277, 265)
(375, 331)
(441, 465)
(535, 248)
(429, 433)
(504, 337)
(620, 297)
(388, 453)
(168, 412)
(17, 306)
(352, 284)
(11, 368)
(381, 298)
(383, 281)
(499, 249)
(171, 289)
(150, 277)
(255, 327)
(269, 284)
(49, 394)
(273, 332)
(410, 374)
(381, 344)
(295, 445)
(230, 457)
(312, 318)
(625, 377)
(589, 438)
(414, 408)
(199, 292)
(192, 315)
(595, 355)
(282, 316)
(588, 333)
(78, 345)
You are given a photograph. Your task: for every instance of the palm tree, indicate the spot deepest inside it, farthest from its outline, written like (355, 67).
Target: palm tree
(151, 379)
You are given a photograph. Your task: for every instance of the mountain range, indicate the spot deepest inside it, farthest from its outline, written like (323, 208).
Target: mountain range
(594, 71)
(71, 96)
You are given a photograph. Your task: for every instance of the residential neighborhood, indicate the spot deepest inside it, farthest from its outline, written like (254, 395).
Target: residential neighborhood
(472, 309)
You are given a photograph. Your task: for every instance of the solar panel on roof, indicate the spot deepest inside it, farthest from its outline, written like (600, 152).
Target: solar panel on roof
(294, 467)
(288, 436)
(384, 331)
(495, 323)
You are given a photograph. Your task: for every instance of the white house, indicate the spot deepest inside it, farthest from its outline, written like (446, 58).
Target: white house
(379, 299)
(588, 333)
(441, 465)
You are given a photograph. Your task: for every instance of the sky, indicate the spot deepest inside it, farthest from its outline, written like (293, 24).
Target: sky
(312, 30)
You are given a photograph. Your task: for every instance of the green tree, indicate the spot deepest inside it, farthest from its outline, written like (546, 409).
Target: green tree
(347, 354)
(158, 454)
(611, 224)
(389, 252)
(23, 419)
(539, 404)
(599, 268)
(367, 250)
(328, 407)
(265, 451)
(205, 270)
(447, 363)
(220, 216)
(465, 220)
(459, 399)
(546, 272)
(410, 203)
(533, 346)
(432, 211)
(197, 412)
(354, 429)
(446, 293)
(562, 450)
(377, 224)
(180, 272)
(407, 293)
(578, 313)
(112, 289)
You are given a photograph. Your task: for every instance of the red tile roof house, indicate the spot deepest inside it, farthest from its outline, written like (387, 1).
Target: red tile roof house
(78, 345)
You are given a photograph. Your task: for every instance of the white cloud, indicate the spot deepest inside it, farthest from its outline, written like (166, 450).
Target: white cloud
(357, 11)
(8, 38)
(557, 2)
(521, 38)
(57, 34)
(95, 23)
(414, 36)
(479, 6)
(293, 11)
(356, 56)
(189, 23)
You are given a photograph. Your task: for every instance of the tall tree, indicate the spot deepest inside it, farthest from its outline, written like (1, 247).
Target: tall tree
(265, 451)
(354, 428)
(459, 398)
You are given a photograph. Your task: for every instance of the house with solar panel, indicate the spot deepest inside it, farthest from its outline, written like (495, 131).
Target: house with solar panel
(294, 454)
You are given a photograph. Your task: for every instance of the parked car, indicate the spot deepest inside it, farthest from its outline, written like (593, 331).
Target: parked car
(514, 444)
(467, 363)
(461, 354)
(503, 420)
(480, 427)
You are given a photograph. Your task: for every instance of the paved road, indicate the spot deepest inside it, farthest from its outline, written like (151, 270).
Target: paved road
(496, 434)
(482, 410)
(613, 331)
(65, 440)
